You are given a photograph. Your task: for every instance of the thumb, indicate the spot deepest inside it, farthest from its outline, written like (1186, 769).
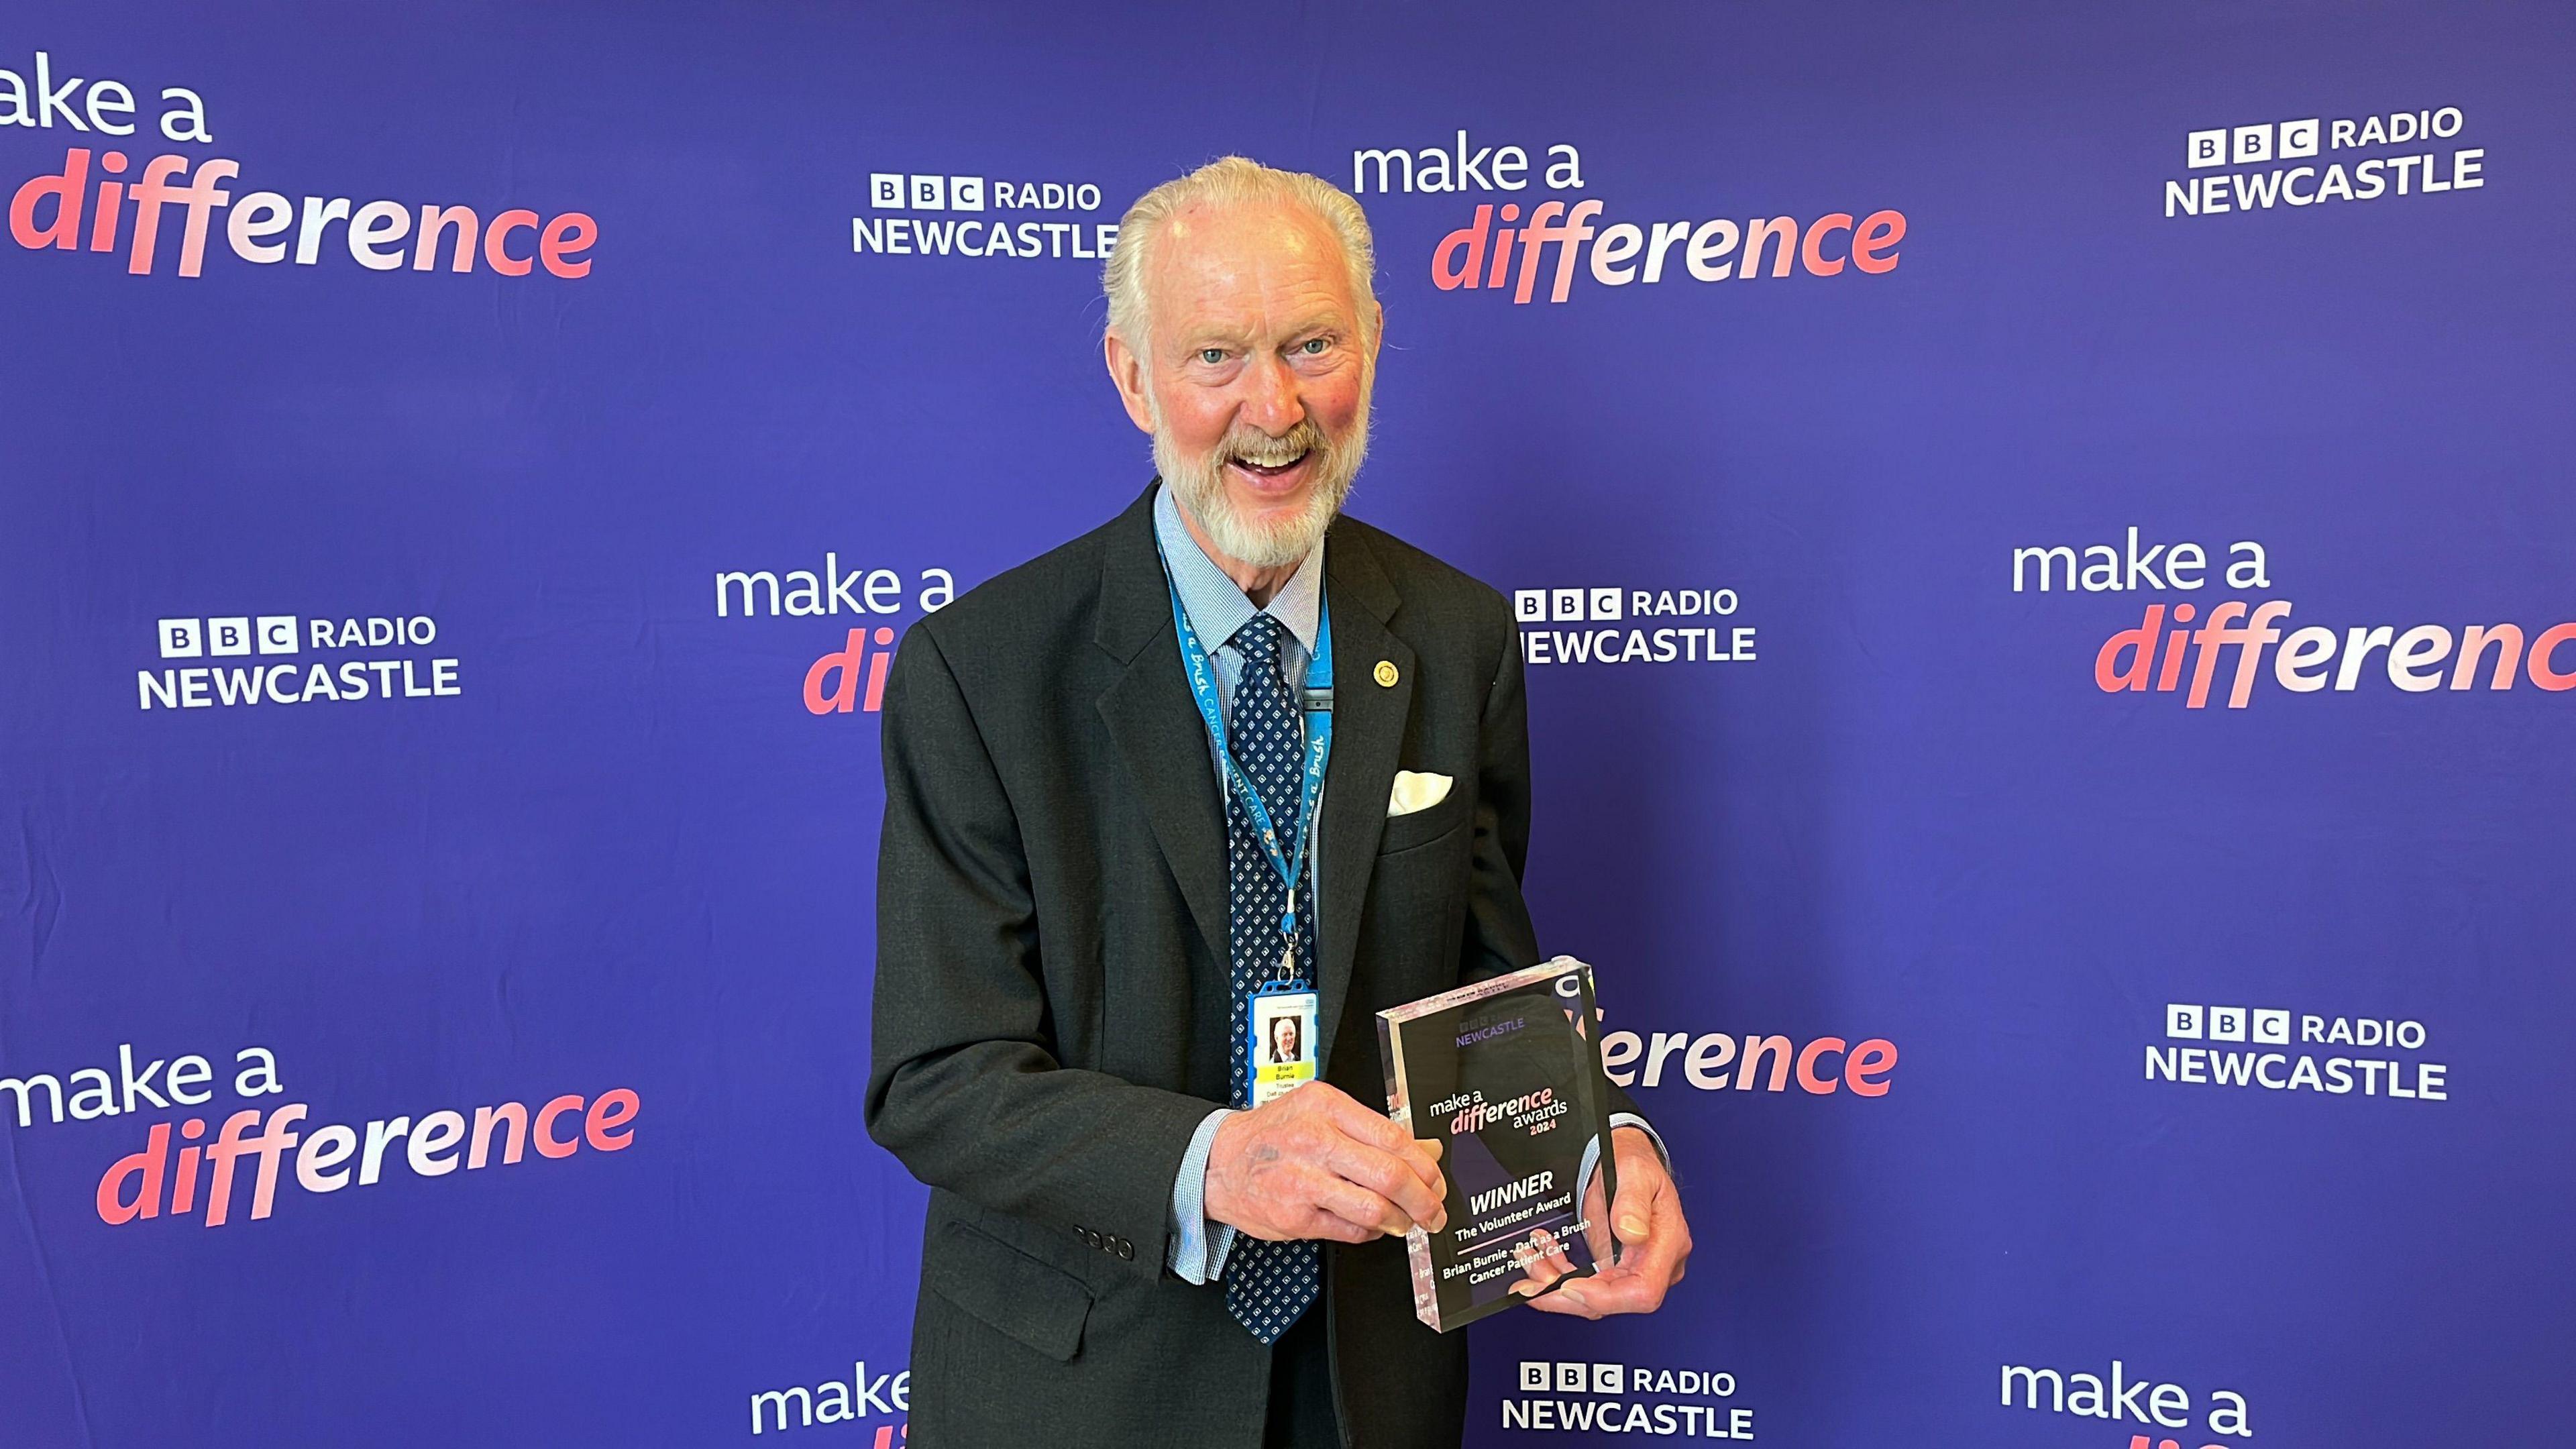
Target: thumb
(1628, 1214)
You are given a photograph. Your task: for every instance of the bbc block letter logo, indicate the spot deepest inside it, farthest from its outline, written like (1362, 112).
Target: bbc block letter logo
(227, 637)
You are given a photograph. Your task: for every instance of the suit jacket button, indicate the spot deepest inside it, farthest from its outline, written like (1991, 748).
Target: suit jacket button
(1126, 1249)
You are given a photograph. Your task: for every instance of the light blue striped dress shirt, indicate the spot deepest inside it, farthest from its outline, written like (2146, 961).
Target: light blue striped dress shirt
(1217, 607)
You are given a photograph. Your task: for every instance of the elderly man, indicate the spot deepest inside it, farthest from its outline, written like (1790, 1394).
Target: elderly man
(1145, 780)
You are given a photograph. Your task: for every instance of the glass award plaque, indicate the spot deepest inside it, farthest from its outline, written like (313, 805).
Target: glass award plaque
(1505, 1074)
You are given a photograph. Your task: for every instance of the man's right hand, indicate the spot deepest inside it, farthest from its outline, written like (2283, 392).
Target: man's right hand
(1316, 1164)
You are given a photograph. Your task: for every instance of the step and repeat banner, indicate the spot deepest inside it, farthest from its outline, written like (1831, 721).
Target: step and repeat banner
(2042, 544)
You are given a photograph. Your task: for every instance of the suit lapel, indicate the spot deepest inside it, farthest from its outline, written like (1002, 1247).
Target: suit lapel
(1155, 723)
(1368, 740)
(1164, 748)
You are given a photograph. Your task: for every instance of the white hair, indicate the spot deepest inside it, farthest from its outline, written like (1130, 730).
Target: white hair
(1230, 181)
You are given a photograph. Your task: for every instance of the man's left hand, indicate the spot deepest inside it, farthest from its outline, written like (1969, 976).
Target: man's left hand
(1654, 1238)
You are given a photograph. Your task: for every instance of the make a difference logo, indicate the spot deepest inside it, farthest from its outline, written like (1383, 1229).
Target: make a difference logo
(103, 200)
(1529, 247)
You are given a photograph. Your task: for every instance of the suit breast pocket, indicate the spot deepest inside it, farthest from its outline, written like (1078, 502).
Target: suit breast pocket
(1421, 827)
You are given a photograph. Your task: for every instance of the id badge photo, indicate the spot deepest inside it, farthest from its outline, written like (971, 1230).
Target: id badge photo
(1281, 1040)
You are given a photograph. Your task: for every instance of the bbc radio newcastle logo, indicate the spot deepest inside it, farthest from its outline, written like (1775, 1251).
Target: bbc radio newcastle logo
(1608, 625)
(2317, 159)
(2281, 1050)
(223, 661)
(1618, 1398)
(938, 215)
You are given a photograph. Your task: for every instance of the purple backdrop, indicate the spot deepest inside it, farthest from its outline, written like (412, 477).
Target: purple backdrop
(414, 706)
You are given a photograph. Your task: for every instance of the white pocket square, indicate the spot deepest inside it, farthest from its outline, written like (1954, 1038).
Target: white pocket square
(1416, 790)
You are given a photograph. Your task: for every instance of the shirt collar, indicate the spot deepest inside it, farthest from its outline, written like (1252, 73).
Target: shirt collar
(1216, 606)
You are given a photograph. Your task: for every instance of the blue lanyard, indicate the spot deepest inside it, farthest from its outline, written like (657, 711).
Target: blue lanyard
(1319, 747)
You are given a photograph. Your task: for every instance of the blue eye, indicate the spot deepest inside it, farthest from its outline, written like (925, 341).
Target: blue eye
(1211, 355)
(1313, 346)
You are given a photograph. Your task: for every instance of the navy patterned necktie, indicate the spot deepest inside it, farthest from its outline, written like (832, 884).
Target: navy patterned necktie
(1267, 1285)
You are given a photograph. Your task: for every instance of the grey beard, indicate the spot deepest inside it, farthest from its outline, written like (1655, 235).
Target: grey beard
(1199, 485)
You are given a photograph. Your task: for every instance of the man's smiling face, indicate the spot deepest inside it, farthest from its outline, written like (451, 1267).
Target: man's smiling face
(1254, 375)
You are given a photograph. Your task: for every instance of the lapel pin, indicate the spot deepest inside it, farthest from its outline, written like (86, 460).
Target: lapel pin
(1386, 674)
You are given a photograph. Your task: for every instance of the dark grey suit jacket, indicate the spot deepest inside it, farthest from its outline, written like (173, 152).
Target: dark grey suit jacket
(1051, 999)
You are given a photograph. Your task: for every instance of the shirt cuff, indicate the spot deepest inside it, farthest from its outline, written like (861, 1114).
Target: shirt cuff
(1631, 1119)
(1198, 1245)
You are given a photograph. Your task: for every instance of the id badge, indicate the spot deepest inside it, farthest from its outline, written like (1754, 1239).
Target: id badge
(1281, 1026)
